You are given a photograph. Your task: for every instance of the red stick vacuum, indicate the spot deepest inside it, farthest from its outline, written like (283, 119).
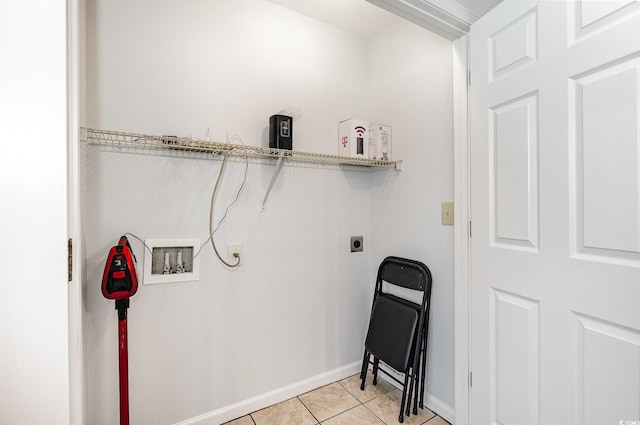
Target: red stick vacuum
(119, 283)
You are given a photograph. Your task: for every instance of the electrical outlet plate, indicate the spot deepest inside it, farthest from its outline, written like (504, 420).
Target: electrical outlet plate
(154, 262)
(231, 249)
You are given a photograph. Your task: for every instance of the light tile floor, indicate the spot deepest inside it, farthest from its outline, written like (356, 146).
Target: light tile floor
(342, 403)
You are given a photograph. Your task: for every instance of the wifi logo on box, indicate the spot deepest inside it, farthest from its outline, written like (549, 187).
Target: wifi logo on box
(353, 138)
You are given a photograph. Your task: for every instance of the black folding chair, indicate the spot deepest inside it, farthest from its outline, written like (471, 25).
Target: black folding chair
(398, 328)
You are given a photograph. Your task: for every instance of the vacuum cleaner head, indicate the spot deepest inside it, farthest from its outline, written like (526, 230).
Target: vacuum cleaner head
(119, 280)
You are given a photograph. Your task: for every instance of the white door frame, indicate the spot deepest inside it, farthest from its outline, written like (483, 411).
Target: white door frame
(462, 228)
(75, 23)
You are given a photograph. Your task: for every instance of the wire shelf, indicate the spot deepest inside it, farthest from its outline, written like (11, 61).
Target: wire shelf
(188, 144)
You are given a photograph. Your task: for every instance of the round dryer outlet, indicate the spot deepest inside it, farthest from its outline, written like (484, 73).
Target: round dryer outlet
(356, 244)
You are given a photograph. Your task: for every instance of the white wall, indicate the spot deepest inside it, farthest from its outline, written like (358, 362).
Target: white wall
(411, 80)
(300, 305)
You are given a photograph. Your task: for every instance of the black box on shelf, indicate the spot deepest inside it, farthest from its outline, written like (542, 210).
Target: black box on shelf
(281, 132)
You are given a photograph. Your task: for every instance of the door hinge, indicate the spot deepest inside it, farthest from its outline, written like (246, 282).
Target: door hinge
(469, 77)
(70, 260)
(469, 228)
(470, 379)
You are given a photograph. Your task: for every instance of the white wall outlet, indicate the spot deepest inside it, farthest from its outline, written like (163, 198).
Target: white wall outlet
(232, 249)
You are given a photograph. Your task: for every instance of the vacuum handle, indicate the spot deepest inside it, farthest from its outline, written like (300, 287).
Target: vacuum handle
(125, 242)
(124, 371)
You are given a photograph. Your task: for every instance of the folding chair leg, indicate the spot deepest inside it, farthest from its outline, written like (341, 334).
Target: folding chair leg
(413, 378)
(415, 394)
(424, 362)
(365, 363)
(404, 397)
(365, 366)
(409, 398)
(376, 364)
(423, 371)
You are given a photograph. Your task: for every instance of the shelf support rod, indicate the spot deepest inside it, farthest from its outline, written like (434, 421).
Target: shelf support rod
(273, 180)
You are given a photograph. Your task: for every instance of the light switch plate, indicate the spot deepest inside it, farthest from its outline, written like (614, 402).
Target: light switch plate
(447, 213)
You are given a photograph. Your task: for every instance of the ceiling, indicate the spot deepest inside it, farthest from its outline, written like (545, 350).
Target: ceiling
(357, 16)
(368, 17)
(478, 7)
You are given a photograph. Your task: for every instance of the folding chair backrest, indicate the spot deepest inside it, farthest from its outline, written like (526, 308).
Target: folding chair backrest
(404, 273)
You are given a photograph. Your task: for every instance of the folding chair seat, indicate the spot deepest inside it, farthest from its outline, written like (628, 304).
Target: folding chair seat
(423, 357)
(398, 327)
(392, 332)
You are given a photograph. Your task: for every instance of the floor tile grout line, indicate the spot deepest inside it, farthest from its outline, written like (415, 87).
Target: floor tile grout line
(371, 411)
(305, 406)
(337, 414)
(365, 403)
(349, 409)
(383, 420)
(374, 414)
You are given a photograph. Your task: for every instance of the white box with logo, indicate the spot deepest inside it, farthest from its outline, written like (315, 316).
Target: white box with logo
(353, 138)
(380, 142)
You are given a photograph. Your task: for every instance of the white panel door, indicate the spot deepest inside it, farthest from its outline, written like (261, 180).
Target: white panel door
(555, 209)
(34, 318)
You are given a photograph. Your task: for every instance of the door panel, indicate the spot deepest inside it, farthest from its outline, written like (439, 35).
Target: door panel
(587, 17)
(514, 348)
(605, 121)
(513, 161)
(607, 364)
(554, 109)
(514, 45)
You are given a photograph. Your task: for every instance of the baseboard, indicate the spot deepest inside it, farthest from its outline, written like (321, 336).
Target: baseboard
(438, 406)
(244, 407)
(432, 402)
